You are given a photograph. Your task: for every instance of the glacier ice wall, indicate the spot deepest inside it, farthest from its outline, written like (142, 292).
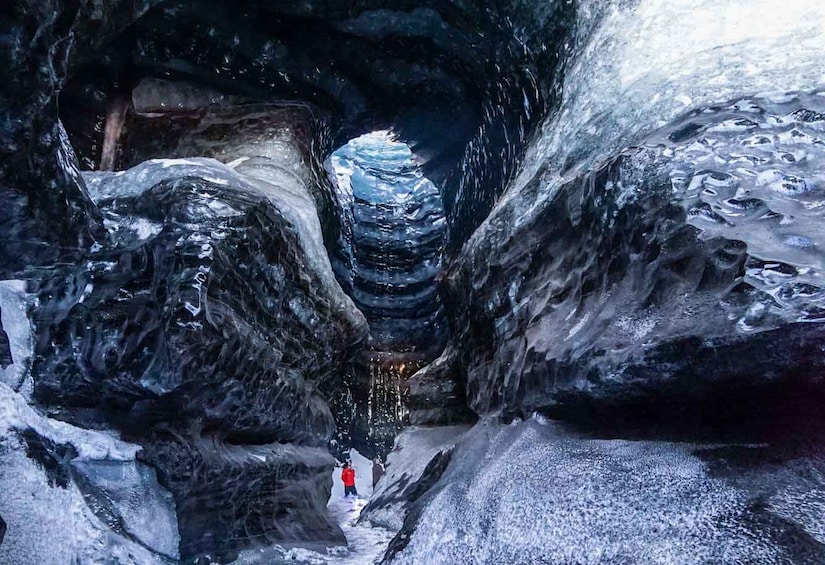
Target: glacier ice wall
(625, 76)
(663, 244)
(654, 271)
(658, 246)
(388, 258)
(16, 334)
(450, 78)
(204, 328)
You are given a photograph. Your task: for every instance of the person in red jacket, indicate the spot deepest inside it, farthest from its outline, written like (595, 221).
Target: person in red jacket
(348, 476)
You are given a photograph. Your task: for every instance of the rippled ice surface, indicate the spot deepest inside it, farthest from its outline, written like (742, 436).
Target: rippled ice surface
(638, 64)
(392, 232)
(721, 100)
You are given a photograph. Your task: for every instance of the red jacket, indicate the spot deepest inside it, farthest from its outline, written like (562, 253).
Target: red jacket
(348, 476)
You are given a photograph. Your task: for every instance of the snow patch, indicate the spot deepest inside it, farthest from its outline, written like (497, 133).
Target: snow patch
(15, 413)
(50, 523)
(536, 493)
(414, 448)
(14, 305)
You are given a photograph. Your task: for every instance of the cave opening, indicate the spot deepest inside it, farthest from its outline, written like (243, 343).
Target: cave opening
(388, 259)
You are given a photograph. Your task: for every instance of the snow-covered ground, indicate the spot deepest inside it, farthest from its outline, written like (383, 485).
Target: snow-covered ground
(369, 538)
(132, 502)
(539, 492)
(366, 544)
(121, 515)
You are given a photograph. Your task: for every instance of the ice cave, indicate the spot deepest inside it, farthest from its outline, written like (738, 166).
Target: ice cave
(504, 282)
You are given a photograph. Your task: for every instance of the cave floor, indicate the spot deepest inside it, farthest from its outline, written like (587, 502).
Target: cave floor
(366, 544)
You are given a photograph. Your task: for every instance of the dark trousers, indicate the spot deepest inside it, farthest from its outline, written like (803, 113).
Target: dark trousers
(350, 490)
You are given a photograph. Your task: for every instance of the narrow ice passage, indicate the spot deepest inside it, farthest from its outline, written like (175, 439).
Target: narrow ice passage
(366, 543)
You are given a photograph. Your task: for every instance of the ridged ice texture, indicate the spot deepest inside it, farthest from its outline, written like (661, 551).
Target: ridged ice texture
(691, 261)
(204, 328)
(533, 492)
(392, 237)
(625, 76)
(663, 239)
